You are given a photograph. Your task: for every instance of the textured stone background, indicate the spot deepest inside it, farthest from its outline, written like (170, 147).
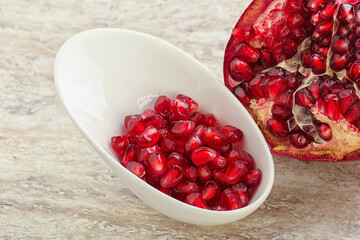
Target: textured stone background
(54, 186)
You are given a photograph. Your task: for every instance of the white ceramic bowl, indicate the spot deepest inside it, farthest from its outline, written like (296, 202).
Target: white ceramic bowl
(102, 75)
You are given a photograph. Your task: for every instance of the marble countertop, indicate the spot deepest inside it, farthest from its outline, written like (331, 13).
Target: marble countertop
(53, 185)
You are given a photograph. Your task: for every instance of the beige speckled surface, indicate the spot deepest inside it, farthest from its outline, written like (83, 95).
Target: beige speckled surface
(54, 186)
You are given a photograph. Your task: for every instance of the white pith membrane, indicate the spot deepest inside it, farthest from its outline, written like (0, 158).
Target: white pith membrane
(345, 135)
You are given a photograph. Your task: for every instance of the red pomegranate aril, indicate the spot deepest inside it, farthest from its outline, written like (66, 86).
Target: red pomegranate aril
(155, 120)
(303, 98)
(146, 152)
(277, 127)
(218, 205)
(247, 52)
(193, 106)
(227, 147)
(148, 137)
(230, 199)
(281, 30)
(171, 177)
(346, 13)
(240, 70)
(162, 105)
(318, 64)
(210, 191)
(214, 138)
(180, 108)
(267, 59)
(274, 45)
(130, 154)
(204, 172)
(203, 155)
(243, 33)
(240, 93)
(255, 84)
(137, 169)
(218, 162)
(281, 112)
(210, 120)
(128, 118)
(232, 134)
(157, 162)
(285, 98)
(245, 157)
(187, 187)
(305, 58)
(328, 10)
(354, 72)
(147, 112)
(353, 114)
(190, 173)
(135, 125)
(332, 106)
(294, 20)
(183, 128)
(299, 139)
(252, 178)
(325, 28)
(195, 199)
(340, 44)
(192, 143)
(118, 144)
(172, 145)
(292, 6)
(241, 191)
(235, 171)
(339, 62)
(176, 158)
(197, 118)
(324, 131)
(347, 99)
(273, 87)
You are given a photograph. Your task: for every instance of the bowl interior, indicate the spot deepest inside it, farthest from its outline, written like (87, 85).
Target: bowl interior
(105, 74)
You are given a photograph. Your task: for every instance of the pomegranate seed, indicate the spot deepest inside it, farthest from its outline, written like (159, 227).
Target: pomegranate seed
(248, 52)
(353, 114)
(162, 105)
(155, 120)
(286, 98)
(195, 199)
(210, 191)
(227, 147)
(240, 93)
(347, 98)
(281, 30)
(324, 131)
(167, 191)
(130, 154)
(240, 69)
(299, 139)
(277, 127)
(346, 13)
(157, 162)
(316, 18)
(339, 62)
(292, 6)
(325, 87)
(192, 143)
(314, 89)
(146, 152)
(147, 112)
(210, 120)
(252, 178)
(290, 46)
(214, 138)
(328, 10)
(198, 131)
(340, 44)
(183, 128)
(136, 168)
(135, 125)
(180, 108)
(171, 177)
(230, 199)
(131, 139)
(274, 44)
(322, 51)
(304, 98)
(118, 144)
(273, 87)
(243, 33)
(245, 157)
(325, 28)
(255, 84)
(187, 187)
(128, 118)
(343, 30)
(332, 106)
(197, 118)
(314, 5)
(325, 41)
(204, 172)
(193, 106)
(235, 171)
(281, 112)
(305, 58)
(218, 206)
(218, 162)
(317, 64)
(148, 137)
(203, 155)
(219, 176)
(172, 145)
(176, 158)
(232, 134)
(354, 72)
(267, 59)
(298, 34)
(241, 191)
(190, 173)
(294, 20)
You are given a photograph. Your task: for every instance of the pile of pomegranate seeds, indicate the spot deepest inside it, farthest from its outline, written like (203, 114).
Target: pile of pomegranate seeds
(295, 66)
(187, 155)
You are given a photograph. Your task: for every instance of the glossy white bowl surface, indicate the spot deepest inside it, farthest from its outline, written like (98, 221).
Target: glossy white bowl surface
(102, 75)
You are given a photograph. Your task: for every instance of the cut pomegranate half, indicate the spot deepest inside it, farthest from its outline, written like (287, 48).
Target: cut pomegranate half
(295, 66)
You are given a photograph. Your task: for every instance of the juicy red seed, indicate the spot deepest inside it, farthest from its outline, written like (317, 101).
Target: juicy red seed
(187, 187)
(267, 59)
(232, 134)
(314, 5)
(274, 44)
(219, 176)
(195, 199)
(128, 118)
(241, 191)
(183, 128)
(162, 105)
(328, 10)
(273, 87)
(305, 58)
(198, 131)
(157, 162)
(294, 20)
(354, 72)
(176, 158)
(170, 116)
(167, 191)
(197, 118)
(293, 6)
(298, 34)
(131, 139)
(299, 139)
(347, 98)
(190, 173)
(353, 114)
(314, 89)
(281, 30)
(316, 18)
(322, 51)
(325, 87)
(281, 112)
(204, 172)
(210, 191)
(304, 98)
(252, 178)
(255, 84)
(118, 144)
(130, 154)
(230, 199)
(332, 106)
(240, 69)
(227, 147)
(340, 44)
(240, 93)
(285, 98)
(343, 30)
(136, 168)
(146, 152)
(218, 162)
(148, 137)
(155, 120)
(203, 155)
(247, 52)
(357, 44)
(243, 33)
(218, 206)
(277, 127)
(171, 177)
(290, 47)
(325, 28)
(135, 125)
(193, 106)
(245, 157)
(346, 13)
(172, 145)
(339, 62)
(192, 143)
(210, 120)
(317, 64)
(324, 131)
(147, 112)
(325, 41)
(214, 138)
(235, 171)
(180, 108)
